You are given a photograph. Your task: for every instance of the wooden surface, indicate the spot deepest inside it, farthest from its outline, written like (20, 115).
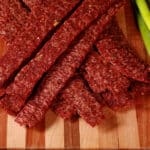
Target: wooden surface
(121, 130)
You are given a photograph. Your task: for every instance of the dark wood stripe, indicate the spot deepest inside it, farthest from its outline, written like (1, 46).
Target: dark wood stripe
(71, 134)
(143, 117)
(134, 36)
(3, 47)
(3, 129)
(3, 115)
(35, 137)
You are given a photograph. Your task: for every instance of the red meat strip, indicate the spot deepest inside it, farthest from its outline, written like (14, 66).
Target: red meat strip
(85, 103)
(139, 88)
(77, 93)
(12, 18)
(62, 71)
(35, 29)
(64, 108)
(119, 101)
(102, 76)
(21, 88)
(116, 50)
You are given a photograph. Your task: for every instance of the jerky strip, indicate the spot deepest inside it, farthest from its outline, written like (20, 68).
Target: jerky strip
(116, 50)
(77, 93)
(119, 101)
(139, 88)
(29, 75)
(12, 18)
(34, 31)
(64, 108)
(65, 69)
(101, 76)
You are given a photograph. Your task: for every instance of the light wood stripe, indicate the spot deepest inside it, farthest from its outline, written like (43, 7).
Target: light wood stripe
(108, 134)
(36, 136)
(54, 136)
(3, 128)
(89, 136)
(16, 135)
(128, 130)
(71, 134)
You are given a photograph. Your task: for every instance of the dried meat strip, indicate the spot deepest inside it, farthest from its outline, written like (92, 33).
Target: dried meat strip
(102, 76)
(116, 50)
(120, 101)
(27, 78)
(68, 64)
(139, 88)
(65, 68)
(85, 103)
(12, 18)
(35, 30)
(64, 108)
(77, 93)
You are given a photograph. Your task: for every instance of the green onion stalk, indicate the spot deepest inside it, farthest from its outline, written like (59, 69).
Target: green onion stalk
(142, 11)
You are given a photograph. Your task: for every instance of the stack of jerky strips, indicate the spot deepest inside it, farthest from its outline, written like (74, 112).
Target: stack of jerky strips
(68, 56)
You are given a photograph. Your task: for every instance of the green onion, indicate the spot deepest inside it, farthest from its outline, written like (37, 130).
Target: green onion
(144, 11)
(144, 32)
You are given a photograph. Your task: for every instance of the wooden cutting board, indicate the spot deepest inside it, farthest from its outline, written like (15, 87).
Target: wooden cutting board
(122, 130)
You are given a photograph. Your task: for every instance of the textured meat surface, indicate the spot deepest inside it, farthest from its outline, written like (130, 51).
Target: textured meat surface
(34, 30)
(85, 103)
(77, 94)
(31, 73)
(66, 67)
(102, 76)
(64, 108)
(12, 18)
(116, 50)
(118, 101)
(139, 88)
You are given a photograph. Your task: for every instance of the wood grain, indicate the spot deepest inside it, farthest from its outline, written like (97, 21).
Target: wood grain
(3, 115)
(71, 134)
(3, 128)
(89, 137)
(126, 130)
(54, 136)
(16, 135)
(36, 136)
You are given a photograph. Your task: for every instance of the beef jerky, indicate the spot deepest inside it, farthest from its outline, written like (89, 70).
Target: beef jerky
(12, 18)
(41, 63)
(139, 88)
(101, 75)
(120, 101)
(34, 31)
(116, 50)
(64, 108)
(77, 93)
